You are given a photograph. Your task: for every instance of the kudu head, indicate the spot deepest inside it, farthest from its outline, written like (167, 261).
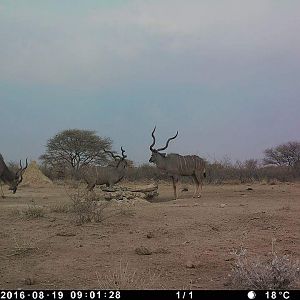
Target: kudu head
(121, 160)
(156, 155)
(13, 185)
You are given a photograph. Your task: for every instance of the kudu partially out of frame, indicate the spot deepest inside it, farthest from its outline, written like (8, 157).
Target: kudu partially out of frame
(10, 178)
(108, 175)
(177, 165)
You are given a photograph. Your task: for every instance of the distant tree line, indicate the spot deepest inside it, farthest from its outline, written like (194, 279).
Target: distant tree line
(69, 151)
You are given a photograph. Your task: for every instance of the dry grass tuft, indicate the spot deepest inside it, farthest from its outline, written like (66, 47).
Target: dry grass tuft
(21, 247)
(275, 272)
(33, 211)
(60, 208)
(14, 212)
(124, 278)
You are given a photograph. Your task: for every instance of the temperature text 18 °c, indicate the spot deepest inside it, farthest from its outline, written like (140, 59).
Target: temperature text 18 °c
(278, 295)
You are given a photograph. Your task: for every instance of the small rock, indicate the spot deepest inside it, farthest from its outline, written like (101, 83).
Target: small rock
(189, 264)
(214, 228)
(29, 281)
(249, 189)
(63, 233)
(140, 195)
(107, 196)
(150, 235)
(222, 205)
(129, 195)
(230, 259)
(142, 250)
(118, 195)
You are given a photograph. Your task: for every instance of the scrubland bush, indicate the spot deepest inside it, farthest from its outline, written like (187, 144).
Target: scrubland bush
(273, 273)
(217, 172)
(85, 207)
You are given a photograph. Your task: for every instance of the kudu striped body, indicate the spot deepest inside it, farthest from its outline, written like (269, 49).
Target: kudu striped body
(177, 165)
(10, 178)
(108, 175)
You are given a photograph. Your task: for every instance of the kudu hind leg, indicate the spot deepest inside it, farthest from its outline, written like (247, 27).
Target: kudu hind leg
(199, 178)
(196, 185)
(91, 186)
(174, 180)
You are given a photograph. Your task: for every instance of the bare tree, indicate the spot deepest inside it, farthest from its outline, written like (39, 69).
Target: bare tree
(75, 149)
(12, 179)
(247, 170)
(108, 175)
(287, 154)
(177, 165)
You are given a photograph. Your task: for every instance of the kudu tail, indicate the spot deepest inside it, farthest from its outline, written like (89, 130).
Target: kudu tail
(204, 173)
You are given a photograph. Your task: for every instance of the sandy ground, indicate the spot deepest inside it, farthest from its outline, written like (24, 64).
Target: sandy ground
(191, 240)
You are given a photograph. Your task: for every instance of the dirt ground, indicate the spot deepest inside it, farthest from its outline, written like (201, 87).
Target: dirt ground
(190, 240)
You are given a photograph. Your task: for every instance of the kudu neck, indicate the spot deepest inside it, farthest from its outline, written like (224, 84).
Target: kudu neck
(121, 165)
(161, 161)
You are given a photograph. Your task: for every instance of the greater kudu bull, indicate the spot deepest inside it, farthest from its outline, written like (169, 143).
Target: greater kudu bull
(177, 165)
(10, 178)
(107, 175)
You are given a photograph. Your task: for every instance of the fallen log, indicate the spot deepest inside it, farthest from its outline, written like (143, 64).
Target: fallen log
(144, 189)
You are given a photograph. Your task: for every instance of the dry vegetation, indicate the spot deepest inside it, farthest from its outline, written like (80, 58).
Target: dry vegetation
(86, 207)
(272, 273)
(123, 277)
(218, 172)
(33, 211)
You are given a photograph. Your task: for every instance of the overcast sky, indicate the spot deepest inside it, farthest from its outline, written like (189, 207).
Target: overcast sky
(224, 73)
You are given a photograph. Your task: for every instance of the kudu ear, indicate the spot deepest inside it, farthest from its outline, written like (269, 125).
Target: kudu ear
(162, 154)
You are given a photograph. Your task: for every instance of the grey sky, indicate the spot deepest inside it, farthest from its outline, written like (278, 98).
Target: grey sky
(223, 73)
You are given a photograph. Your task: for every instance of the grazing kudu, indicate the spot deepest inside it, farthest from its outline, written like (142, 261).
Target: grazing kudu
(10, 178)
(108, 175)
(177, 165)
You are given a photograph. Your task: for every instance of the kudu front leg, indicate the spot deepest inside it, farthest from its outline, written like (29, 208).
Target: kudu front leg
(200, 189)
(199, 180)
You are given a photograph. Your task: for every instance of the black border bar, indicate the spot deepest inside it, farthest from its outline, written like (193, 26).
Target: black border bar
(82, 294)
